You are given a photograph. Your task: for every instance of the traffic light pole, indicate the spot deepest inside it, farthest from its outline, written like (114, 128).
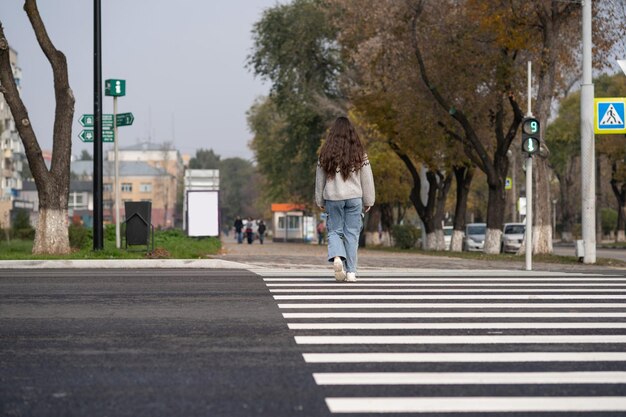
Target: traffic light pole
(529, 184)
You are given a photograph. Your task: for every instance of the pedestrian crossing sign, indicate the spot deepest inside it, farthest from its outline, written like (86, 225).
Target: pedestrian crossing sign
(609, 116)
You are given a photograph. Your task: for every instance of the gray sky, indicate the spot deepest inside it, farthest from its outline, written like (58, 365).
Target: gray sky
(183, 62)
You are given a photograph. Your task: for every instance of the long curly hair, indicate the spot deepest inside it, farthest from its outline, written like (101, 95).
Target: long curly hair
(342, 152)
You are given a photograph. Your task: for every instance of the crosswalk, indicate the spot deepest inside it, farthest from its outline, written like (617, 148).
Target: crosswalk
(470, 343)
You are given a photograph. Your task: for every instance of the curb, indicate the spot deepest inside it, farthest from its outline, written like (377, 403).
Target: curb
(123, 264)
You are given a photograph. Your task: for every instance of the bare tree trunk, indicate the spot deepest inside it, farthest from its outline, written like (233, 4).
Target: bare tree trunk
(620, 196)
(51, 233)
(542, 207)
(464, 176)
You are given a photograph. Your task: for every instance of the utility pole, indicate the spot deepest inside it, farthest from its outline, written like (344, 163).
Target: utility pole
(587, 146)
(98, 235)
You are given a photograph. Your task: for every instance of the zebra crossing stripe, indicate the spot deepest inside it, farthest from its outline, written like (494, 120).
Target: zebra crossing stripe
(449, 305)
(467, 378)
(475, 404)
(460, 288)
(443, 315)
(469, 357)
(388, 284)
(454, 297)
(451, 281)
(454, 339)
(457, 326)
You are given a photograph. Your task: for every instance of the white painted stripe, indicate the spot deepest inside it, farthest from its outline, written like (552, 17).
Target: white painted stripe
(479, 287)
(488, 357)
(460, 326)
(442, 290)
(528, 297)
(464, 339)
(401, 284)
(450, 305)
(460, 277)
(474, 404)
(438, 315)
(467, 378)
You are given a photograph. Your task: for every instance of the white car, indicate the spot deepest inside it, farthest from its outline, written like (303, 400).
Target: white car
(512, 237)
(474, 236)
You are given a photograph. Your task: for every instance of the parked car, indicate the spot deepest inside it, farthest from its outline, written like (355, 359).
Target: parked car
(447, 236)
(474, 239)
(512, 237)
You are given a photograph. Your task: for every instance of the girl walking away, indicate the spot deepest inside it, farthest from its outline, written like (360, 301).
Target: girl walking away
(344, 188)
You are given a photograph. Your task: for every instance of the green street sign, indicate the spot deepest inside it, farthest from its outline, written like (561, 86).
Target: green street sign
(125, 119)
(115, 88)
(87, 135)
(88, 120)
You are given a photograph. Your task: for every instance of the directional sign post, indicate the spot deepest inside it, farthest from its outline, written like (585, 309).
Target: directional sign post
(110, 122)
(87, 135)
(609, 116)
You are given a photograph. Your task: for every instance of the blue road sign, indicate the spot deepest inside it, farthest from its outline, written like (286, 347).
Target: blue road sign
(610, 117)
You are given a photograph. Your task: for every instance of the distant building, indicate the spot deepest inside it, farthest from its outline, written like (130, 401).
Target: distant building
(12, 155)
(164, 157)
(138, 181)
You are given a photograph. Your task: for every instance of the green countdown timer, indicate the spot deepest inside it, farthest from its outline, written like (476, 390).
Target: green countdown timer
(531, 127)
(530, 135)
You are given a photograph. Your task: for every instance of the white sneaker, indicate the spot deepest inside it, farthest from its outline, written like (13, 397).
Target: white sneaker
(340, 273)
(351, 277)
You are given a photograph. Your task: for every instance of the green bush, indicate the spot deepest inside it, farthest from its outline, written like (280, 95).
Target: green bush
(79, 236)
(609, 220)
(25, 234)
(405, 235)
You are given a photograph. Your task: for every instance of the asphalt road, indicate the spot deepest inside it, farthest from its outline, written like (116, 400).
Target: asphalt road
(147, 343)
(295, 343)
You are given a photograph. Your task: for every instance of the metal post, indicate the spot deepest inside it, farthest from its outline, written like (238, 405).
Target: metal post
(118, 243)
(98, 235)
(587, 147)
(529, 185)
(529, 213)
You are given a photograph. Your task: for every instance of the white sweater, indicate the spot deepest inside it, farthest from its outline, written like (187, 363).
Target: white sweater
(360, 184)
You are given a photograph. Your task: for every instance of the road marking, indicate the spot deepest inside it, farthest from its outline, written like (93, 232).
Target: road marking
(488, 357)
(467, 378)
(397, 284)
(475, 404)
(437, 315)
(460, 288)
(464, 339)
(448, 281)
(458, 326)
(502, 297)
(449, 305)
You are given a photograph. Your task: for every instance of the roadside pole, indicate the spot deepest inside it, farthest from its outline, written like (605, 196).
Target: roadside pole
(529, 183)
(118, 242)
(587, 146)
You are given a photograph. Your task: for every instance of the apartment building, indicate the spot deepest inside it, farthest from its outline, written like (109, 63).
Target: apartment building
(12, 155)
(139, 181)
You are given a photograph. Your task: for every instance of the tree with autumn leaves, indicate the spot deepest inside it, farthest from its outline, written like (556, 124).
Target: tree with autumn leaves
(444, 83)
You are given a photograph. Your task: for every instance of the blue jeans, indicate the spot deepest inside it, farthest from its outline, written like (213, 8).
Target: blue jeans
(344, 225)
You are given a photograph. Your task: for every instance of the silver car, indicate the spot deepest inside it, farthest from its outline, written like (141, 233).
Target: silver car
(474, 236)
(512, 237)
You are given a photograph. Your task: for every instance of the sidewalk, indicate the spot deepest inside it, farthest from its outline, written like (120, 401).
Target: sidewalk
(313, 257)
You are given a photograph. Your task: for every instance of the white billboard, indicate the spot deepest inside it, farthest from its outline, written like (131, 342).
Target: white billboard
(202, 213)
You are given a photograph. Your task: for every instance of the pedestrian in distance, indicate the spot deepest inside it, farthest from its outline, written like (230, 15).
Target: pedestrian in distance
(238, 226)
(249, 230)
(321, 231)
(261, 231)
(344, 188)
